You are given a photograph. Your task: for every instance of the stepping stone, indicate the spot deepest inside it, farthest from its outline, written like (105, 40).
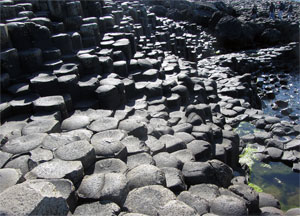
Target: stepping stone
(75, 122)
(103, 124)
(139, 159)
(148, 200)
(97, 208)
(184, 155)
(77, 151)
(224, 204)
(249, 194)
(111, 165)
(174, 100)
(155, 145)
(124, 46)
(201, 205)
(23, 104)
(174, 179)
(184, 127)
(63, 42)
(9, 177)
(201, 150)
(134, 145)
(51, 103)
(134, 128)
(172, 143)
(108, 96)
(110, 186)
(67, 69)
(165, 159)
(271, 211)
(19, 89)
(266, 200)
(39, 198)
(107, 144)
(39, 155)
(42, 126)
(205, 191)
(19, 162)
(24, 144)
(55, 169)
(174, 207)
(56, 140)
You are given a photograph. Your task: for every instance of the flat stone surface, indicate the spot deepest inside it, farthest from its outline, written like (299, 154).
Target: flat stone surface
(148, 200)
(55, 169)
(37, 198)
(145, 175)
(75, 122)
(24, 144)
(80, 150)
(103, 124)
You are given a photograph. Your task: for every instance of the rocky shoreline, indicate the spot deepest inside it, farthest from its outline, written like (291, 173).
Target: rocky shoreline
(129, 108)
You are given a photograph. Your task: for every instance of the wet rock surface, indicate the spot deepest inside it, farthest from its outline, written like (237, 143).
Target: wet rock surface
(129, 108)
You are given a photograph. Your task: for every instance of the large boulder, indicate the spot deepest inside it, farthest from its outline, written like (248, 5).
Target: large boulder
(228, 31)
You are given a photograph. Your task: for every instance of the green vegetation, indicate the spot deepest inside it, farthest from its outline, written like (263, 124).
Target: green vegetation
(247, 157)
(256, 187)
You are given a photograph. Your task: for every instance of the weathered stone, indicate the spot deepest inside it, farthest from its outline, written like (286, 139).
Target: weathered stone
(199, 204)
(148, 200)
(145, 175)
(103, 208)
(30, 197)
(224, 204)
(80, 150)
(177, 207)
(72, 170)
(24, 144)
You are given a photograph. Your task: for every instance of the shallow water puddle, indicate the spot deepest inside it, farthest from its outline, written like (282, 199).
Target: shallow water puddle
(274, 178)
(279, 180)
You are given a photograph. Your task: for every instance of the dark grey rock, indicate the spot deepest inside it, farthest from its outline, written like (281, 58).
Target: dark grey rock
(271, 211)
(109, 186)
(201, 205)
(138, 159)
(266, 200)
(24, 144)
(134, 128)
(42, 126)
(20, 162)
(38, 198)
(205, 191)
(102, 208)
(249, 194)
(275, 153)
(75, 122)
(145, 175)
(172, 143)
(165, 159)
(103, 124)
(80, 150)
(224, 204)
(148, 200)
(293, 212)
(111, 165)
(174, 179)
(134, 145)
(72, 170)
(200, 149)
(177, 207)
